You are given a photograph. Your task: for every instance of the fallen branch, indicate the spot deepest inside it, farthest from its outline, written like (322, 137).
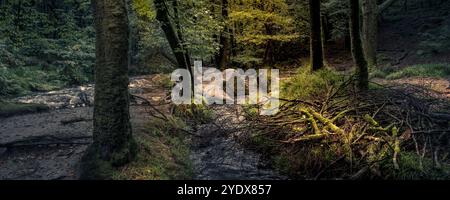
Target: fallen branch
(307, 138)
(75, 120)
(47, 140)
(327, 122)
(147, 102)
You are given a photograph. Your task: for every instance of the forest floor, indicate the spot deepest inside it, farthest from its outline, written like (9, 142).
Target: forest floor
(49, 145)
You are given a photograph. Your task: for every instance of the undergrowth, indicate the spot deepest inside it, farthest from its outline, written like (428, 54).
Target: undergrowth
(327, 130)
(422, 70)
(20, 81)
(163, 153)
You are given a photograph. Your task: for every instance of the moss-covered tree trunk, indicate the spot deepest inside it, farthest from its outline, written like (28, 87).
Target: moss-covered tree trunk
(370, 30)
(357, 49)
(113, 141)
(316, 50)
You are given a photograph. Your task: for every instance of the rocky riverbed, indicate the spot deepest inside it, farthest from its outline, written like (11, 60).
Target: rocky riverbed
(49, 146)
(216, 155)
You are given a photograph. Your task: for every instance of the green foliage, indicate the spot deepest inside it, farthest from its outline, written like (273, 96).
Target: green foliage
(421, 70)
(23, 80)
(46, 42)
(307, 85)
(413, 167)
(147, 40)
(260, 25)
(338, 13)
(199, 27)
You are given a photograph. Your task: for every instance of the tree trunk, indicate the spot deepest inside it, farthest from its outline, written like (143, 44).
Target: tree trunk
(370, 30)
(180, 33)
(173, 35)
(113, 141)
(225, 42)
(316, 51)
(357, 50)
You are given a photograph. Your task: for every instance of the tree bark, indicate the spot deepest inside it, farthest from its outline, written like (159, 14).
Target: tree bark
(173, 35)
(316, 50)
(225, 42)
(357, 50)
(113, 141)
(370, 30)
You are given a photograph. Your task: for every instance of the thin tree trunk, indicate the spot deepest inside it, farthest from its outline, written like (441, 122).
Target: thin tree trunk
(225, 42)
(113, 141)
(324, 24)
(180, 33)
(370, 30)
(357, 50)
(172, 35)
(316, 51)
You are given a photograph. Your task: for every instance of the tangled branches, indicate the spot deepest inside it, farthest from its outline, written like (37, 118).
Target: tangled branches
(360, 134)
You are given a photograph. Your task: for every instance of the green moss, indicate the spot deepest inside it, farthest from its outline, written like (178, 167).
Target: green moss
(163, 153)
(94, 168)
(306, 85)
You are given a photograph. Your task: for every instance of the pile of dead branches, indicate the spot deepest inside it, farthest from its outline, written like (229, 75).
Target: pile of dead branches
(369, 128)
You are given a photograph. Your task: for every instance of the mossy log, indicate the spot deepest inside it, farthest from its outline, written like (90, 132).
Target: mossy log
(327, 122)
(313, 122)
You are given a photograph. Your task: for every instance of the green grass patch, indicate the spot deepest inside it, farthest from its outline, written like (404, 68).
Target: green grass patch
(8, 109)
(422, 70)
(306, 84)
(163, 153)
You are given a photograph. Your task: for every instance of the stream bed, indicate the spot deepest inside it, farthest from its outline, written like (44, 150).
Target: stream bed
(216, 155)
